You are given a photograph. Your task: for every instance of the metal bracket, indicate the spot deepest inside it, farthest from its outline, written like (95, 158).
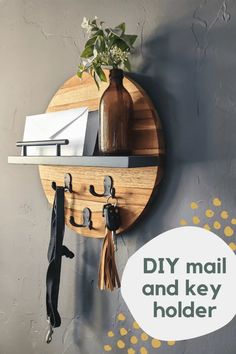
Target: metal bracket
(109, 190)
(87, 222)
(57, 143)
(49, 332)
(67, 183)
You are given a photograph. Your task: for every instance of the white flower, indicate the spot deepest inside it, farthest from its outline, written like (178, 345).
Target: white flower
(85, 23)
(117, 55)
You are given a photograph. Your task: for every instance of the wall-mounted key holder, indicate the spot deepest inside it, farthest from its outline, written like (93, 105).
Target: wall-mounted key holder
(97, 180)
(131, 179)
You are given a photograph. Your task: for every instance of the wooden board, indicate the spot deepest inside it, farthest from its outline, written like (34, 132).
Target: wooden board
(134, 186)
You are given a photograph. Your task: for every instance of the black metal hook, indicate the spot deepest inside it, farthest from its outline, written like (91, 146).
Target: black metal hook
(67, 183)
(87, 222)
(109, 190)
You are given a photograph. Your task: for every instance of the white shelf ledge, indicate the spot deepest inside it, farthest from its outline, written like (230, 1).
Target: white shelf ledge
(91, 161)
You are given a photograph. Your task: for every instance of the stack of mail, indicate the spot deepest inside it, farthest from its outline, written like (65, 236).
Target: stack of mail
(72, 124)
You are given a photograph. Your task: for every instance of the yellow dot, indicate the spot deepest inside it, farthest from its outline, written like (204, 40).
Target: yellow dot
(107, 348)
(217, 225)
(232, 245)
(121, 317)
(216, 202)
(136, 325)
(123, 332)
(143, 350)
(233, 221)
(120, 344)
(156, 343)
(110, 334)
(183, 222)
(224, 214)
(228, 231)
(134, 340)
(194, 205)
(209, 213)
(144, 336)
(207, 227)
(171, 343)
(196, 220)
(131, 351)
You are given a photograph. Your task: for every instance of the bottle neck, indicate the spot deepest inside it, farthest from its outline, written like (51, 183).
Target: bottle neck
(116, 77)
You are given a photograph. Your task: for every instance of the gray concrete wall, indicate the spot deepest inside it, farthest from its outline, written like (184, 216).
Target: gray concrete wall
(186, 62)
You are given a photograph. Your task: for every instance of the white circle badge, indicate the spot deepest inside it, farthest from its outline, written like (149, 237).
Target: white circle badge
(181, 284)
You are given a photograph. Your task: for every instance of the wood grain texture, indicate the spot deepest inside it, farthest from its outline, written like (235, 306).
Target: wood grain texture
(134, 186)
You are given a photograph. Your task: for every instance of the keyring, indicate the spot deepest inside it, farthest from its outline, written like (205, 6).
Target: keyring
(110, 196)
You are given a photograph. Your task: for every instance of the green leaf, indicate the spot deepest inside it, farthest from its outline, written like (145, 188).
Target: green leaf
(112, 39)
(100, 44)
(91, 41)
(100, 73)
(129, 39)
(87, 52)
(94, 29)
(122, 27)
(80, 71)
(116, 31)
(80, 74)
(98, 32)
(96, 79)
(117, 41)
(82, 68)
(121, 44)
(127, 65)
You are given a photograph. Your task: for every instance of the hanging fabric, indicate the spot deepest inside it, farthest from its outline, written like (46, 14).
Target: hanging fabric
(55, 252)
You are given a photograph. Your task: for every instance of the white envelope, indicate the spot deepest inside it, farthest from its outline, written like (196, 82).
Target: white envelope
(69, 124)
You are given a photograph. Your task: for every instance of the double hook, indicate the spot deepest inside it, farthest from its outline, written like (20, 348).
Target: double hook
(67, 183)
(109, 190)
(87, 222)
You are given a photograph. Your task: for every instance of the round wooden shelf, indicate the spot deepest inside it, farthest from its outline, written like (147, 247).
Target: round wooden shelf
(134, 186)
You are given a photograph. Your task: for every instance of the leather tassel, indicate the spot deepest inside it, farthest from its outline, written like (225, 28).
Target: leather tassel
(108, 278)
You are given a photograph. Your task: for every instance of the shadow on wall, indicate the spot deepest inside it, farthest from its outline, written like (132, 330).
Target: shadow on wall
(190, 78)
(189, 73)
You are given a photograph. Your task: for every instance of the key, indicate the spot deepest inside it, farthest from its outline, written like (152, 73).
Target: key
(112, 220)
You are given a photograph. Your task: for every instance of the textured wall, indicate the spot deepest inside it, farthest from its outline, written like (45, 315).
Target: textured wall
(186, 62)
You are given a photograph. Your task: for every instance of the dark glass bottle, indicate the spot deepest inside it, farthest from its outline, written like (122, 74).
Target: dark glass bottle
(115, 113)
